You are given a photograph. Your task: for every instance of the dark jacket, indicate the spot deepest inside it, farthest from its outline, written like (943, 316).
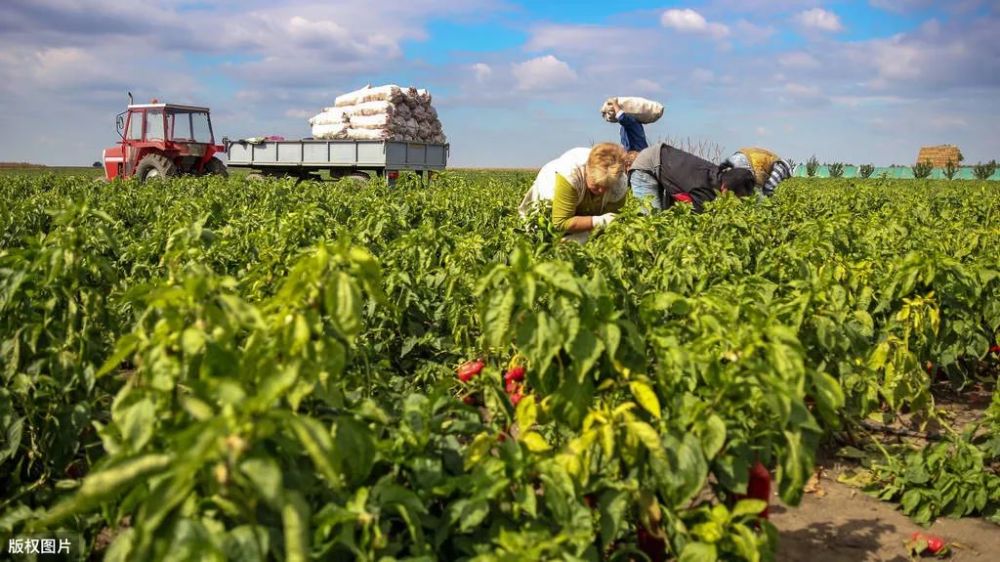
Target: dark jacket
(682, 176)
(632, 132)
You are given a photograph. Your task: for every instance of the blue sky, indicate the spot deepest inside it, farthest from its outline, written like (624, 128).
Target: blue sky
(517, 83)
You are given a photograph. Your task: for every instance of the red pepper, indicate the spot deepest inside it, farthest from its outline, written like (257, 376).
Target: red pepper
(683, 197)
(995, 349)
(512, 387)
(652, 546)
(470, 369)
(935, 544)
(759, 487)
(515, 374)
(516, 397)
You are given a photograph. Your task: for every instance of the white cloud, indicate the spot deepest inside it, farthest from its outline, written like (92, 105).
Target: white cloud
(949, 122)
(820, 20)
(901, 6)
(798, 59)
(801, 90)
(762, 131)
(689, 21)
(702, 76)
(482, 72)
(300, 113)
(753, 34)
(577, 39)
(542, 73)
(644, 85)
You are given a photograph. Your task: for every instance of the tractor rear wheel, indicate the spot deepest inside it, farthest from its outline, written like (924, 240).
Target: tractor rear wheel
(215, 167)
(155, 166)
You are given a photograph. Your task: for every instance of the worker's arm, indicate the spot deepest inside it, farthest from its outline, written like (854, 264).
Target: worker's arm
(779, 173)
(564, 208)
(633, 133)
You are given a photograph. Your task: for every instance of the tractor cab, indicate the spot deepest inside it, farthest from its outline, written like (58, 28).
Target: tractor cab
(161, 140)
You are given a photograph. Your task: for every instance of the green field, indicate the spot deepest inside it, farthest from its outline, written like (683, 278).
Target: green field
(213, 369)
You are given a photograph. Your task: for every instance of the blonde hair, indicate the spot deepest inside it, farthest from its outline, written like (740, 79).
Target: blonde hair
(605, 164)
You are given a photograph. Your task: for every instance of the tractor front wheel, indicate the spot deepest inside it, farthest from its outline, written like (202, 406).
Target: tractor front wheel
(155, 166)
(215, 167)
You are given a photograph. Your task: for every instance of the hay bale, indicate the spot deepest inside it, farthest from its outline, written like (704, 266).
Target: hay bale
(939, 155)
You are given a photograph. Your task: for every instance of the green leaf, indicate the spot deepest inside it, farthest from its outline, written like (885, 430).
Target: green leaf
(534, 442)
(699, 552)
(585, 350)
(748, 507)
(318, 445)
(559, 277)
(354, 449)
(346, 311)
(12, 440)
(295, 524)
(713, 436)
(265, 474)
(125, 347)
(246, 543)
(646, 397)
(104, 484)
(612, 506)
(497, 317)
(137, 423)
(468, 513)
(526, 413)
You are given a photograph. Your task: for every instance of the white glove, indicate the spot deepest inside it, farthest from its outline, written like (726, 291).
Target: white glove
(601, 221)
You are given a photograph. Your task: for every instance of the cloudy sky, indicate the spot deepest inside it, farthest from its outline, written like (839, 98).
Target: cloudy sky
(516, 83)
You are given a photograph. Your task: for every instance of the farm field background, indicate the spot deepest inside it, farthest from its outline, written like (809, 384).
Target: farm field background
(222, 369)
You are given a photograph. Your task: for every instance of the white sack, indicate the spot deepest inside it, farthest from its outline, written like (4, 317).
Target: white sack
(380, 121)
(330, 116)
(390, 92)
(644, 110)
(329, 131)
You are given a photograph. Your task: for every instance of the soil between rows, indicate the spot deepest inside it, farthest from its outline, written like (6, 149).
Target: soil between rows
(842, 523)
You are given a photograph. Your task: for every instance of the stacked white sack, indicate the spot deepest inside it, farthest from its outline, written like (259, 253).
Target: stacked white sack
(381, 113)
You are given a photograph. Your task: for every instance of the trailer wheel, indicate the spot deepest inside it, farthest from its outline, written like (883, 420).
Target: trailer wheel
(215, 167)
(358, 179)
(155, 166)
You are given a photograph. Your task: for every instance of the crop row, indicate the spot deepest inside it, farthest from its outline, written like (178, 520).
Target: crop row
(267, 370)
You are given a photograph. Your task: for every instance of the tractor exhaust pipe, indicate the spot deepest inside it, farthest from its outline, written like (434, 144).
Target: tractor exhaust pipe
(129, 98)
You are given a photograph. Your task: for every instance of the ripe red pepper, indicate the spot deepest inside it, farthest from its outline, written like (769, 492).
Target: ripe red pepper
(995, 349)
(683, 197)
(470, 369)
(516, 397)
(759, 487)
(935, 544)
(512, 387)
(652, 546)
(515, 374)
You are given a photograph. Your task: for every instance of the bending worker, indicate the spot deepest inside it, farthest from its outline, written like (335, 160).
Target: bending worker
(587, 187)
(667, 175)
(767, 167)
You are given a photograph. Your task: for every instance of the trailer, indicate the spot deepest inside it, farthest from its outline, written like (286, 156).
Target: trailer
(306, 158)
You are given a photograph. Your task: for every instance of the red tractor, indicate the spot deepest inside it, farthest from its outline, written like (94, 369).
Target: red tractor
(160, 140)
